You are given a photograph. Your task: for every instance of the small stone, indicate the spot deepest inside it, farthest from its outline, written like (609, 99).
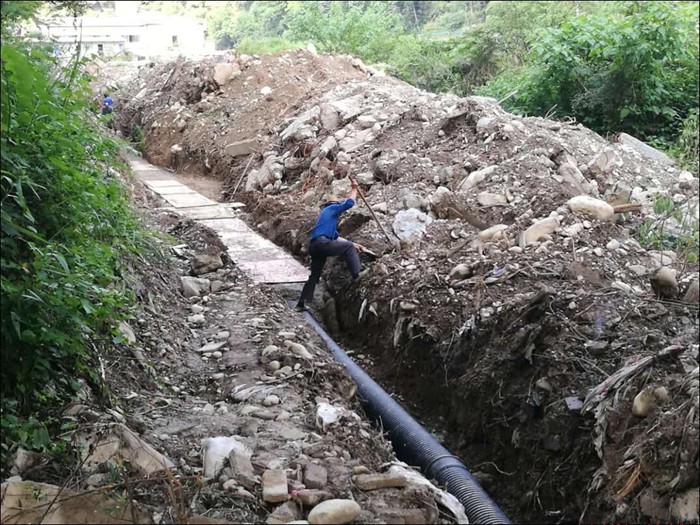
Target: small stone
(194, 286)
(284, 371)
(287, 335)
(274, 486)
(298, 349)
(197, 308)
(283, 416)
(661, 394)
(270, 349)
(381, 207)
(613, 245)
(599, 251)
(274, 365)
(312, 497)
(196, 319)
(539, 230)
(592, 207)
(212, 347)
(315, 476)
(243, 493)
(596, 347)
(217, 355)
(334, 511)
(127, 332)
(379, 481)
(206, 263)
(271, 400)
(692, 294)
(461, 271)
(360, 469)
(231, 484)
(487, 199)
(664, 283)
(638, 269)
(285, 513)
(622, 286)
(643, 402)
(543, 384)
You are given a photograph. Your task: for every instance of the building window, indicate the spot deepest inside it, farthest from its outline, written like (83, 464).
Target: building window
(175, 39)
(133, 38)
(100, 49)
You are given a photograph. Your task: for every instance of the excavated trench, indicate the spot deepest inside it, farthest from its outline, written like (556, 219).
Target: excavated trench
(469, 409)
(475, 393)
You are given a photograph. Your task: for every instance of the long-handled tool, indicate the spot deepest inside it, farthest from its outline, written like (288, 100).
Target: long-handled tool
(371, 211)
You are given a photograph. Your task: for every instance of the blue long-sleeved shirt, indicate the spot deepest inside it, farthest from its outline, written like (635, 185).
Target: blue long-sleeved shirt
(327, 223)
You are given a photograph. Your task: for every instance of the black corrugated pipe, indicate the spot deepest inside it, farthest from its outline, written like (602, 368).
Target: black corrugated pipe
(415, 445)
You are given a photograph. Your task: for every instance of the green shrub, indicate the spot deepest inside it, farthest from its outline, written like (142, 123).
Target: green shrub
(65, 221)
(633, 68)
(675, 228)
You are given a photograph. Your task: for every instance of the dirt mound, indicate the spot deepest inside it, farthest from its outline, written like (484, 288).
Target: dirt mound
(203, 116)
(520, 286)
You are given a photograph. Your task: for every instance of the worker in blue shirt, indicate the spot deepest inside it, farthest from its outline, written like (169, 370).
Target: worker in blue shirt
(107, 104)
(325, 242)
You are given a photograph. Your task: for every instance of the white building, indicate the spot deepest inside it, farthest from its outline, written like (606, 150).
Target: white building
(143, 35)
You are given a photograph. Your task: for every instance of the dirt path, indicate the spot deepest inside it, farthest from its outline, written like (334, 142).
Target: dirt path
(230, 386)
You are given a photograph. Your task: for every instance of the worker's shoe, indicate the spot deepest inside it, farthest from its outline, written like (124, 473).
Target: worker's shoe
(301, 308)
(362, 274)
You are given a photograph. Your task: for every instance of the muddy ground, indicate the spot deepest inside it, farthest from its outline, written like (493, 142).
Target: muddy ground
(502, 311)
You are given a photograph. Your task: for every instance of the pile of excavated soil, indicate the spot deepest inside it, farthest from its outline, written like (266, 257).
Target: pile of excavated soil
(514, 308)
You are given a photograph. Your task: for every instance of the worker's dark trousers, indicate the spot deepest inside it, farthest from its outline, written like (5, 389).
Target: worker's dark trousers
(320, 249)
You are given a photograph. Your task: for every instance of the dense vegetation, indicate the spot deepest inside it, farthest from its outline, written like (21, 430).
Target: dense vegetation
(65, 225)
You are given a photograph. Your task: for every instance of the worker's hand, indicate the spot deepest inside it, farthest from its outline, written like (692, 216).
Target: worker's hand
(353, 184)
(359, 247)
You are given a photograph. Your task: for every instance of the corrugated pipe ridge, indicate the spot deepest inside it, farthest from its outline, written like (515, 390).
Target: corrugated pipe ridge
(414, 444)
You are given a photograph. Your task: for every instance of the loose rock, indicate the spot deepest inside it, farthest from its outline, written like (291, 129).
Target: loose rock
(664, 283)
(274, 486)
(334, 512)
(379, 481)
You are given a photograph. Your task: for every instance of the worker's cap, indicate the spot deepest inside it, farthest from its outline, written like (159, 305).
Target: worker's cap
(329, 198)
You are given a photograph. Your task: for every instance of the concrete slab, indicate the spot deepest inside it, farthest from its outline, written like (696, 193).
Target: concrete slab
(285, 270)
(164, 183)
(150, 176)
(210, 212)
(188, 200)
(228, 226)
(174, 190)
(261, 259)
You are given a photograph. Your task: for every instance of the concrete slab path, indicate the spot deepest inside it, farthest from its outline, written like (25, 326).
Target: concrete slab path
(262, 260)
